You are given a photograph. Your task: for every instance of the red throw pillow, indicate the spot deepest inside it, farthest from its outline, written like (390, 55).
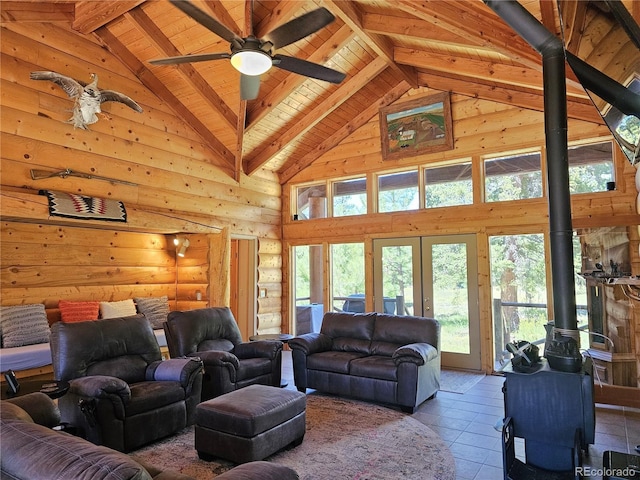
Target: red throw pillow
(78, 311)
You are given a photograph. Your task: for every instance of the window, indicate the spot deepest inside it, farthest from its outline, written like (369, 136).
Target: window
(448, 186)
(349, 197)
(398, 192)
(590, 167)
(515, 177)
(347, 277)
(519, 290)
(308, 285)
(311, 201)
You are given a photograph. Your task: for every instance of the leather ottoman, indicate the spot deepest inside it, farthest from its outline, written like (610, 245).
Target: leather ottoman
(250, 423)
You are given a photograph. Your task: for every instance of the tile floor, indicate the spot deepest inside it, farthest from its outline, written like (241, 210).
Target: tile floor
(466, 422)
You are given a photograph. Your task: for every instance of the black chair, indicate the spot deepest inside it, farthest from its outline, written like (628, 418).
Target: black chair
(212, 334)
(122, 394)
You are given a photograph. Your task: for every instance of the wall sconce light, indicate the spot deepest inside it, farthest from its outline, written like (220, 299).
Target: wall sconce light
(181, 245)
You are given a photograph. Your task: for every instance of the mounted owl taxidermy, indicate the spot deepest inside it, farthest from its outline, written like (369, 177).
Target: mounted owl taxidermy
(87, 97)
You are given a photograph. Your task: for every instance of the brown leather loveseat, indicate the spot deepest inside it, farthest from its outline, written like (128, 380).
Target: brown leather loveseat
(372, 356)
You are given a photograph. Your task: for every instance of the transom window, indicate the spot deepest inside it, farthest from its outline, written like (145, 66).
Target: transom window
(513, 177)
(349, 197)
(448, 186)
(591, 168)
(398, 191)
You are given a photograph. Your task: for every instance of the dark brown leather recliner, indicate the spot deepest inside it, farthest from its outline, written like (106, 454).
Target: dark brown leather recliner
(212, 334)
(122, 394)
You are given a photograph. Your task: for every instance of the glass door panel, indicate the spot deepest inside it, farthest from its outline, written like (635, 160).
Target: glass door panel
(398, 282)
(433, 277)
(450, 279)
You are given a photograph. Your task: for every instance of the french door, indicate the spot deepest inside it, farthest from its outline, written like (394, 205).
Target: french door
(433, 277)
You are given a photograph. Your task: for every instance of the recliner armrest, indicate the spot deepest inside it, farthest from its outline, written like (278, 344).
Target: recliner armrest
(38, 406)
(418, 353)
(310, 343)
(174, 370)
(219, 358)
(100, 386)
(258, 349)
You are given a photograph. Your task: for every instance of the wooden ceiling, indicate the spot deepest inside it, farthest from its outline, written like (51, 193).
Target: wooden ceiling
(385, 47)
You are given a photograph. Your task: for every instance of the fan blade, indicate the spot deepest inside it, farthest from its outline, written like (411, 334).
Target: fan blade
(308, 69)
(189, 58)
(249, 86)
(299, 27)
(206, 20)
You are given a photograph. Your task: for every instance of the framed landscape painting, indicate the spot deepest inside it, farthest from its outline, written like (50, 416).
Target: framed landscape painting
(418, 126)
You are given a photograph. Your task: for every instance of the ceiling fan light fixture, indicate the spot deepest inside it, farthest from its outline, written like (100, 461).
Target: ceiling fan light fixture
(251, 62)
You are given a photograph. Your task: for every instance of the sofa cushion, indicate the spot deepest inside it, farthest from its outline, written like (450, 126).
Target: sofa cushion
(147, 396)
(60, 455)
(78, 311)
(155, 309)
(332, 361)
(392, 332)
(350, 332)
(24, 325)
(374, 366)
(253, 367)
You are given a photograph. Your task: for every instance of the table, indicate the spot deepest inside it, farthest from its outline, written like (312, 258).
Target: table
(51, 388)
(283, 337)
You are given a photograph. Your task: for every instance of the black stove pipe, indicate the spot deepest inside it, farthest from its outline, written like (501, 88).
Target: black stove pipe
(555, 121)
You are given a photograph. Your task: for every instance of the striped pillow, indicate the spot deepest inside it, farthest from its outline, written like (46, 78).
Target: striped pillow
(24, 325)
(155, 309)
(123, 308)
(78, 311)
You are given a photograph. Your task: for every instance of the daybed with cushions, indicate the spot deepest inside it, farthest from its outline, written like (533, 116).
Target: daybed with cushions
(30, 449)
(24, 329)
(372, 356)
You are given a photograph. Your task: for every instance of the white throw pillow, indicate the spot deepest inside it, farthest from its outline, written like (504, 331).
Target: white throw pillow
(123, 308)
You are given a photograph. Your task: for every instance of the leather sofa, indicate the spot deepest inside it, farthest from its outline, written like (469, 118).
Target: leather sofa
(122, 394)
(371, 356)
(212, 335)
(31, 449)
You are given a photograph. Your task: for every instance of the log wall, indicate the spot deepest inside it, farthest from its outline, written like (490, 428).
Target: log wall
(179, 187)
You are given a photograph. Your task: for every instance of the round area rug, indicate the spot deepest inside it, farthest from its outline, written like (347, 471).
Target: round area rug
(345, 439)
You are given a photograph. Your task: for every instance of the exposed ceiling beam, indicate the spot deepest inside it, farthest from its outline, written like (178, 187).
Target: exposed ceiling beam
(90, 15)
(157, 38)
(318, 113)
(410, 26)
(548, 12)
(532, 99)
(21, 11)
(473, 68)
(223, 157)
(464, 19)
(382, 46)
(478, 70)
(247, 28)
(295, 166)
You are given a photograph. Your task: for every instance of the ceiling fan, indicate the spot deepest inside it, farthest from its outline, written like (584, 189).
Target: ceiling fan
(253, 56)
